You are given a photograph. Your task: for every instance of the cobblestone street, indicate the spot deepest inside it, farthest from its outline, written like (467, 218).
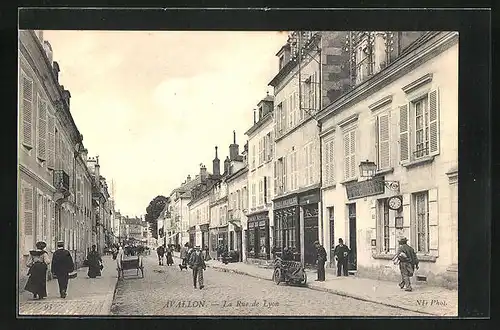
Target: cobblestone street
(168, 291)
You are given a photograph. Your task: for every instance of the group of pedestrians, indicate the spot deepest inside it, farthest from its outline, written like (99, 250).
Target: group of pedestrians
(61, 266)
(38, 262)
(163, 251)
(192, 257)
(405, 257)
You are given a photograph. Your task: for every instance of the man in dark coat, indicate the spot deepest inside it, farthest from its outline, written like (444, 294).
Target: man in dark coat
(408, 261)
(161, 252)
(320, 259)
(341, 253)
(62, 265)
(197, 264)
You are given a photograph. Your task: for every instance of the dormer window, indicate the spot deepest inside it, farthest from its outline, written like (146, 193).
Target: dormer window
(261, 112)
(282, 61)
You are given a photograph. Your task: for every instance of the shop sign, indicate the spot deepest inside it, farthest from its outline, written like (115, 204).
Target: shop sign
(309, 199)
(364, 188)
(293, 201)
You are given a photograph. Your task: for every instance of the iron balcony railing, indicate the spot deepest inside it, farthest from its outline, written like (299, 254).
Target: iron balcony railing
(61, 180)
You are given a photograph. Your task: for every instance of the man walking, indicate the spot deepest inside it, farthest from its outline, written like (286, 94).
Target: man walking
(197, 263)
(161, 252)
(184, 256)
(408, 261)
(341, 253)
(320, 260)
(62, 265)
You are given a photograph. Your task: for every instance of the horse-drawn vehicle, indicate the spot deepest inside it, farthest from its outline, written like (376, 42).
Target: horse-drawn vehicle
(131, 263)
(288, 271)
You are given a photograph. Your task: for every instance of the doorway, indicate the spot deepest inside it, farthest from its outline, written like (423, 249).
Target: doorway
(353, 264)
(310, 234)
(239, 246)
(332, 236)
(231, 240)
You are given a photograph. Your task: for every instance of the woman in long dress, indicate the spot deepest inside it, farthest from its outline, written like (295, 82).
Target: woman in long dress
(170, 260)
(94, 262)
(38, 262)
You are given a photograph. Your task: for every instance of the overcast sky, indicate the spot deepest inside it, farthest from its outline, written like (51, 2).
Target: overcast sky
(153, 105)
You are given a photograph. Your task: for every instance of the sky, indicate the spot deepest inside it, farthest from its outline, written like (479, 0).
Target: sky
(153, 105)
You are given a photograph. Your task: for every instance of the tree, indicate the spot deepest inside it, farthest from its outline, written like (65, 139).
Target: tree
(153, 211)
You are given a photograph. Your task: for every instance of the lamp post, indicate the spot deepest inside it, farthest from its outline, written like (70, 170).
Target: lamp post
(368, 169)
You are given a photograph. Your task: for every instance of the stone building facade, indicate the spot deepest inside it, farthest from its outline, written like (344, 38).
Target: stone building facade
(403, 118)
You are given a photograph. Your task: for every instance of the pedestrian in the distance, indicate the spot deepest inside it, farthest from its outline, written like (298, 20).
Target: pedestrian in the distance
(320, 260)
(197, 263)
(37, 263)
(160, 251)
(62, 265)
(341, 253)
(184, 256)
(95, 262)
(207, 253)
(408, 261)
(170, 260)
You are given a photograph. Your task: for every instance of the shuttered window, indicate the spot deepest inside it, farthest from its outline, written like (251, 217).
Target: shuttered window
(42, 129)
(26, 111)
(291, 112)
(314, 87)
(382, 128)
(51, 141)
(284, 173)
(261, 191)
(284, 114)
(254, 198)
(350, 155)
(419, 128)
(27, 214)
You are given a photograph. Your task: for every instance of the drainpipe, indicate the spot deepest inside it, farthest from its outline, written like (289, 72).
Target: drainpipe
(320, 206)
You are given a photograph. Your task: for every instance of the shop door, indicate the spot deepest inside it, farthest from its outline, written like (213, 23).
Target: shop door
(256, 241)
(353, 263)
(231, 240)
(332, 236)
(310, 235)
(239, 245)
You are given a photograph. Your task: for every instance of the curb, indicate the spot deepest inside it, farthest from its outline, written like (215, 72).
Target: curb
(108, 303)
(333, 291)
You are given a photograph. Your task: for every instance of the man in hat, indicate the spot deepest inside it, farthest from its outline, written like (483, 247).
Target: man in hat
(62, 265)
(197, 263)
(341, 253)
(408, 261)
(320, 260)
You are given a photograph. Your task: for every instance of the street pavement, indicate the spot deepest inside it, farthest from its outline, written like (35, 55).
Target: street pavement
(166, 290)
(426, 299)
(86, 296)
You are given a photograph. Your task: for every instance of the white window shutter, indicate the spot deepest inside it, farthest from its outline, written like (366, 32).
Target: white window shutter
(27, 207)
(384, 143)
(285, 176)
(284, 108)
(27, 111)
(276, 181)
(51, 142)
(326, 162)
(434, 122)
(353, 154)
(332, 161)
(42, 129)
(347, 156)
(404, 134)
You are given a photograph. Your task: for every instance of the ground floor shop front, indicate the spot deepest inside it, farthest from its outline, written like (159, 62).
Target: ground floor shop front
(371, 218)
(296, 220)
(258, 236)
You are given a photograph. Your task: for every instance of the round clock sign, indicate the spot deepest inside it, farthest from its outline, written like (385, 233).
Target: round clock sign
(395, 202)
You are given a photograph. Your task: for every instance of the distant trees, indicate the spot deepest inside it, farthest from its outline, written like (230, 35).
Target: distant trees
(153, 211)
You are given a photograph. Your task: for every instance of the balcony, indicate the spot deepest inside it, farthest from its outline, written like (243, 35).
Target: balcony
(61, 182)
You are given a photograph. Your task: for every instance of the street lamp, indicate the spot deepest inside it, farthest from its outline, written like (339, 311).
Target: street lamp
(368, 169)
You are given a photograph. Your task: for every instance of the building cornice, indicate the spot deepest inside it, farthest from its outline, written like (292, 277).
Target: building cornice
(250, 132)
(34, 176)
(437, 43)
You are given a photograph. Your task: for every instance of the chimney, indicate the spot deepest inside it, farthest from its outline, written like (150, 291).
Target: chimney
(234, 148)
(203, 172)
(226, 165)
(97, 171)
(188, 178)
(216, 164)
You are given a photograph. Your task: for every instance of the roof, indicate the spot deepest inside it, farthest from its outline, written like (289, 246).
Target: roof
(259, 123)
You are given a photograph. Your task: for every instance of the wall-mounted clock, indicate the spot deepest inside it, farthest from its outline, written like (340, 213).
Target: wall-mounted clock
(395, 202)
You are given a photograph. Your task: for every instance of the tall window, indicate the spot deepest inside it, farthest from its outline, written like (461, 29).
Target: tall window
(309, 164)
(294, 171)
(350, 154)
(254, 197)
(267, 185)
(27, 111)
(279, 123)
(270, 142)
(419, 127)
(383, 225)
(382, 130)
(261, 192)
(421, 201)
(253, 155)
(42, 129)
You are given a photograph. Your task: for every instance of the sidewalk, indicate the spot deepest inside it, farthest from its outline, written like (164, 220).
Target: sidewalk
(85, 296)
(424, 299)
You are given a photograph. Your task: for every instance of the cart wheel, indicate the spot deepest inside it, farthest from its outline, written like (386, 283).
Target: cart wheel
(277, 276)
(304, 279)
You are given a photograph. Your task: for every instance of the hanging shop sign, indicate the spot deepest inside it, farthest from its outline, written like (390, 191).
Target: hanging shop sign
(364, 188)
